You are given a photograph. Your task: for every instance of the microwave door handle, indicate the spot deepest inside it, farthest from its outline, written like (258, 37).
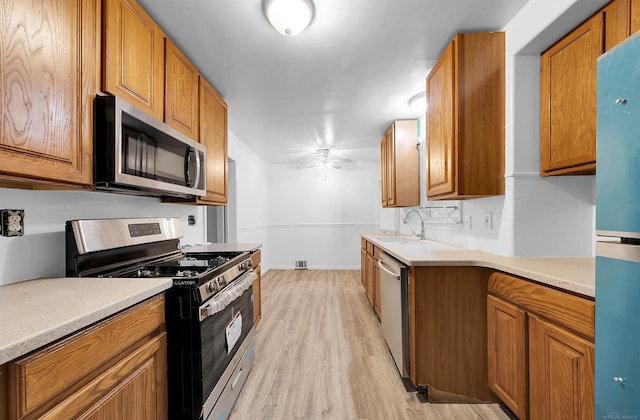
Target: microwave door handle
(187, 163)
(198, 167)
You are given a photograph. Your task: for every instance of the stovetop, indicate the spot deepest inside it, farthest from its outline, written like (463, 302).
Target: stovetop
(149, 247)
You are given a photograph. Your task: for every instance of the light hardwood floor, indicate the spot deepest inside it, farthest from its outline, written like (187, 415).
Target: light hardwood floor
(320, 354)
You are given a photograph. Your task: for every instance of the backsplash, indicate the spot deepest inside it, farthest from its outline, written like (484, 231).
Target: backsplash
(40, 252)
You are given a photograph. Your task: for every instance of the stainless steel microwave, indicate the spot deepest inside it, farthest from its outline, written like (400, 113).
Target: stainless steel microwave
(136, 154)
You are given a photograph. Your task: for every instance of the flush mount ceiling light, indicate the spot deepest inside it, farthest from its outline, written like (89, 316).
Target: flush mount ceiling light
(289, 17)
(419, 102)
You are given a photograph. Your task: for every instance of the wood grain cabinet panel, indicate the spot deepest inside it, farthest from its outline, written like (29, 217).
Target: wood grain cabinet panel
(634, 6)
(556, 364)
(561, 373)
(213, 134)
(448, 331)
(133, 56)
(181, 108)
(616, 22)
(567, 83)
(399, 165)
(49, 61)
(117, 364)
(506, 340)
(257, 297)
(465, 119)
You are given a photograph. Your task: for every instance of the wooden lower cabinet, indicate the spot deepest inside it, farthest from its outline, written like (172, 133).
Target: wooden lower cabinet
(376, 282)
(448, 331)
(561, 373)
(370, 274)
(114, 369)
(257, 297)
(540, 349)
(506, 340)
(256, 258)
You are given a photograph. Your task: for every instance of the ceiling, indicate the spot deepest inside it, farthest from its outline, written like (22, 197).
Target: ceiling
(339, 84)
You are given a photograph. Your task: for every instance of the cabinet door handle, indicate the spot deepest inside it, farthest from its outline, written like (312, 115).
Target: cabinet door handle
(621, 101)
(620, 380)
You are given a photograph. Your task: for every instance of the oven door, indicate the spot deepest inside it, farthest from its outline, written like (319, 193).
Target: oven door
(225, 322)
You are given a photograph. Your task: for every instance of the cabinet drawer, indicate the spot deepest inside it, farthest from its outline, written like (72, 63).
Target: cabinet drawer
(566, 309)
(256, 258)
(370, 247)
(80, 357)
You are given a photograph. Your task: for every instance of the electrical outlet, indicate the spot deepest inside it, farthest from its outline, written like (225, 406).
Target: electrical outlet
(488, 220)
(467, 222)
(12, 222)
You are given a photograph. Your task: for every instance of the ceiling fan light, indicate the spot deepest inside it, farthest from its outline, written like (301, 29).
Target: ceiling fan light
(289, 17)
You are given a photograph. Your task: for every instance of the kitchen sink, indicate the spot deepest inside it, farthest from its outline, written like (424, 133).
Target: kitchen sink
(396, 239)
(415, 243)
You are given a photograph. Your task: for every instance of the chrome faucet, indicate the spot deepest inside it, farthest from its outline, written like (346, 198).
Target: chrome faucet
(422, 234)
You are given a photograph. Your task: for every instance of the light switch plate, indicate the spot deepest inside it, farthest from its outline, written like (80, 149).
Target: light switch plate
(488, 220)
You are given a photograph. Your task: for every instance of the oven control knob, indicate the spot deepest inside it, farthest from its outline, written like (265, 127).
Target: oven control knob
(212, 287)
(222, 281)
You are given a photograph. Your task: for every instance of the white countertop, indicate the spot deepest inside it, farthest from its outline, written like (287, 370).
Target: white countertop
(37, 312)
(214, 247)
(574, 274)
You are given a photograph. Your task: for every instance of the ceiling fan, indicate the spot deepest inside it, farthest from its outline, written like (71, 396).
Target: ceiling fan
(323, 158)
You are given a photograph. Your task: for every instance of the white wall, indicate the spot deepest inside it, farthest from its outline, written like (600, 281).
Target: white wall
(252, 198)
(41, 251)
(320, 220)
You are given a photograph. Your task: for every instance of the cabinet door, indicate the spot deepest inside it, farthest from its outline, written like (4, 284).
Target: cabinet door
(134, 388)
(181, 92)
(441, 123)
(616, 23)
(257, 297)
(506, 340)
(369, 279)
(391, 167)
(363, 267)
(133, 61)
(376, 287)
(561, 373)
(384, 193)
(634, 6)
(568, 101)
(49, 67)
(213, 134)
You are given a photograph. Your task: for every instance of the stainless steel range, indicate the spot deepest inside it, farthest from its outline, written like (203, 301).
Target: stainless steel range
(209, 309)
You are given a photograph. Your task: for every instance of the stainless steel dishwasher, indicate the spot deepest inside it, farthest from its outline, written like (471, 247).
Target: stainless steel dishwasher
(394, 310)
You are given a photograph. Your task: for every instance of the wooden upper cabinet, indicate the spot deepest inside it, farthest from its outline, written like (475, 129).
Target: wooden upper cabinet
(50, 52)
(465, 119)
(213, 134)
(399, 165)
(441, 125)
(181, 92)
(568, 101)
(561, 372)
(616, 21)
(133, 56)
(634, 11)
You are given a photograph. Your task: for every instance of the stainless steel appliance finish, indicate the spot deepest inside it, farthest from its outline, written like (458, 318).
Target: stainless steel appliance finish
(394, 314)
(137, 154)
(209, 309)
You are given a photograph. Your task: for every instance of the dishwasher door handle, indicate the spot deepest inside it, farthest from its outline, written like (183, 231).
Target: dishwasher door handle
(391, 273)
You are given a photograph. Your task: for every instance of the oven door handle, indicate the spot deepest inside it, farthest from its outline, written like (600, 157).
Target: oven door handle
(228, 295)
